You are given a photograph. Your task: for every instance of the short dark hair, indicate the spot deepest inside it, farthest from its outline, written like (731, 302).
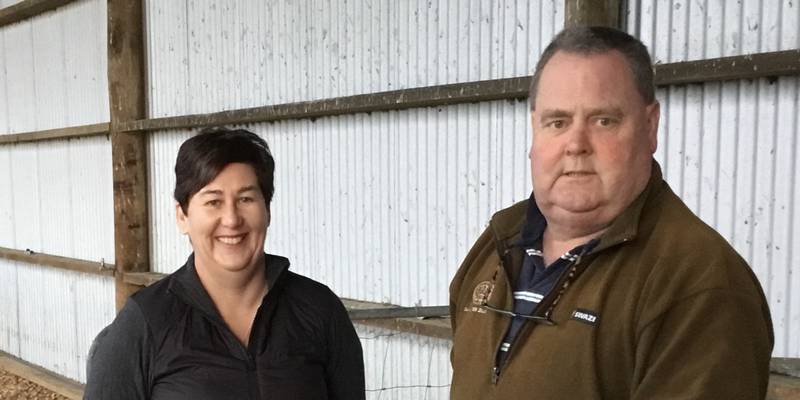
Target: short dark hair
(201, 158)
(588, 40)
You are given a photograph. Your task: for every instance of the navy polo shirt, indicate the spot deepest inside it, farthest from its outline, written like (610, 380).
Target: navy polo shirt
(535, 279)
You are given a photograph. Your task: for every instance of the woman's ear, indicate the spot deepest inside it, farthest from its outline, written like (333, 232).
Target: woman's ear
(180, 219)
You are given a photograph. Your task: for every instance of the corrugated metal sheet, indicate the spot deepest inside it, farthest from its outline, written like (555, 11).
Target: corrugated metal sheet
(730, 149)
(404, 366)
(50, 317)
(384, 206)
(59, 198)
(55, 69)
(680, 30)
(8, 3)
(209, 56)
(168, 247)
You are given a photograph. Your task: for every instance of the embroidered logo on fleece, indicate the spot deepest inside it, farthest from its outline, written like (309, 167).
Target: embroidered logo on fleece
(482, 292)
(479, 296)
(585, 316)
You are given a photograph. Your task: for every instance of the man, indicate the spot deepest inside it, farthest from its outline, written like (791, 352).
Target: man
(603, 285)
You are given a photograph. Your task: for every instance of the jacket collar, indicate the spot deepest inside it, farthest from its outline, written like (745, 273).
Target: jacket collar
(508, 223)
(186, 283)
(625, 227)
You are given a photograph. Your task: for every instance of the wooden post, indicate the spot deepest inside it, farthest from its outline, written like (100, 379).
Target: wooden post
(126, 87)
(593, 13)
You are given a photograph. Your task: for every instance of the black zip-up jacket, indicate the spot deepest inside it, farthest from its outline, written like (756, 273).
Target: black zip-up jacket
(169, 342)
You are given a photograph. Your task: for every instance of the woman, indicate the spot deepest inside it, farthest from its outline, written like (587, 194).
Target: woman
(233, 322)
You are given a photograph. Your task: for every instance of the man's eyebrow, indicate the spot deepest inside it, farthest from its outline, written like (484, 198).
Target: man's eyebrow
(613, 111)
(555, 113)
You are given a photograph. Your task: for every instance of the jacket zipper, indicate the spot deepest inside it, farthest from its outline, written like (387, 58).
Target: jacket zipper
(496, 370)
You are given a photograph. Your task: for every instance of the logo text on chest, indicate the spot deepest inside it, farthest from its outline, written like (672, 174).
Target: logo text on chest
(585, 316)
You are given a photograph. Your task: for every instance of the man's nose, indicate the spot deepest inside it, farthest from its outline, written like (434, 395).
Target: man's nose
(578, 140)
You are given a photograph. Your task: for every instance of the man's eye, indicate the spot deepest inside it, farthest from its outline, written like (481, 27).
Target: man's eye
(605, 121)
(558, 124)
(246, 199)
(213, 203)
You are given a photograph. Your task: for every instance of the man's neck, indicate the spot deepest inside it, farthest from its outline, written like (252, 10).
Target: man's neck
(556, 242)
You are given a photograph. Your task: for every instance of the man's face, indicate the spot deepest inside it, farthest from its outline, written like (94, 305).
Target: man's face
(593, 139)
(227, 221)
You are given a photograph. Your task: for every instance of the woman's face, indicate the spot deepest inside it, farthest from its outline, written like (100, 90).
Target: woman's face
(227, 221)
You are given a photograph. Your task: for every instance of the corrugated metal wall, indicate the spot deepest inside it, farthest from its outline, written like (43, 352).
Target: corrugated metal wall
(57, 195)
(212, 56)
(730, 149)
(405, 366)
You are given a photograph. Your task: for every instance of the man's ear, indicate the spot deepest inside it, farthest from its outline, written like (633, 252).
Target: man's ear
(180, 219)
(653, 115)
(269, 217)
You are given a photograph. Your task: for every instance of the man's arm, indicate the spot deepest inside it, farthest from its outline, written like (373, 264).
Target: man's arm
(714, 344)
(119, 359)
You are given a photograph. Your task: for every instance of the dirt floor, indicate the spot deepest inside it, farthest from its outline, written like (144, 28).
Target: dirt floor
(15, 388)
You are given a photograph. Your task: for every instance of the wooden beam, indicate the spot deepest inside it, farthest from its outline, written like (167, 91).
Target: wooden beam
(593, 13)
(433, 327)
(27, 9)
(52, 134)
(432, 96)
(71, 264)
(142, 279)
(749, 66)
(126, 85)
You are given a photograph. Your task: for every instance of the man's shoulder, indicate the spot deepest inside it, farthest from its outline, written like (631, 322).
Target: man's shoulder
(686, 247)
(509, 221)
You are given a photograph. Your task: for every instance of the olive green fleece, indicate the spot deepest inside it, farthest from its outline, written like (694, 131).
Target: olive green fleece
(680, 314)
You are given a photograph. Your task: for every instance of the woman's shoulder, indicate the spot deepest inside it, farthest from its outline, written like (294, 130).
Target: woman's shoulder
(158, 304)
(303, 286)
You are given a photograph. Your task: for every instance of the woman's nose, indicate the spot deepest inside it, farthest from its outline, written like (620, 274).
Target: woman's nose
(231, 216)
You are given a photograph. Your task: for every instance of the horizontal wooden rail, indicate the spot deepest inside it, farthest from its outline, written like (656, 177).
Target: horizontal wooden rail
(432, 96)
(60, 133)
(748, 66)
(399, 312)
(27, 9)
(71, 264)
(751, 66)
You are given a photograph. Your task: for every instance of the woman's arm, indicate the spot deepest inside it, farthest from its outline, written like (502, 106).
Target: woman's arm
(119, 359)
(345, 369)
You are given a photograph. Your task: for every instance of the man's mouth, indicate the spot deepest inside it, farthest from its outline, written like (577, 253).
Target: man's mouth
(577, 174)
(233, 239)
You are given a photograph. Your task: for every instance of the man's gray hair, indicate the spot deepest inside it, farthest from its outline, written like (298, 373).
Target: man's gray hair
(589, 40)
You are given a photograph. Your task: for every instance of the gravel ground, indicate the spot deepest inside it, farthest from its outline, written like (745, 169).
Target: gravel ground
(16, 388)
